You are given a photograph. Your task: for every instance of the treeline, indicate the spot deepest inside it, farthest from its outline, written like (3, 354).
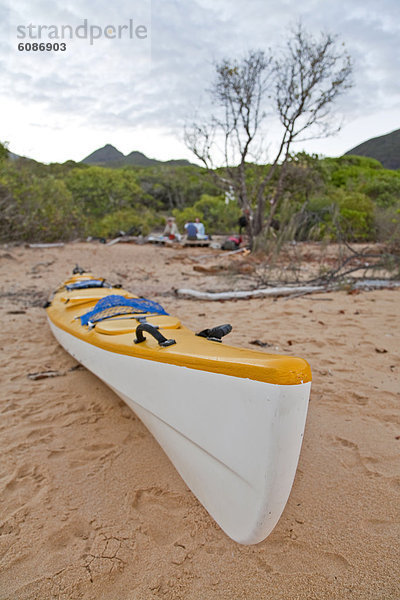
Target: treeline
(349, 197)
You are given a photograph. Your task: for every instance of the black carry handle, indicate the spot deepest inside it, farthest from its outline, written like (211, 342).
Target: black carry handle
(78, 270)
(162, 341)
(216, 333)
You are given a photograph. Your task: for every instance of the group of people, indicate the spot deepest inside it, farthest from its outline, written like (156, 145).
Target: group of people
(194, 230)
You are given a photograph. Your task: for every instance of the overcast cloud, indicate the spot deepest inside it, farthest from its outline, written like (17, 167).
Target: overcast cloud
(138, 93)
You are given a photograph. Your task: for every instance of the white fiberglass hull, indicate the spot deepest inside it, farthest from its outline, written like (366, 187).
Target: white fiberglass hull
(235, 442)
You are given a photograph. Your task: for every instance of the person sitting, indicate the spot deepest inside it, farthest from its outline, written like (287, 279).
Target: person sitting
(171, 230)
(201, 233)
(191, 231)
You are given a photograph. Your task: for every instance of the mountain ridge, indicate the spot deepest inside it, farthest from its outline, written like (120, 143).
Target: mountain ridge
(385, 148)
(110, 156)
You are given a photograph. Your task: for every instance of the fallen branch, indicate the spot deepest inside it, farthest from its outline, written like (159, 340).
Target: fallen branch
(274, 292)
(212, 269)
(293, 291)
(114, 241)
(45, 375)
(128, 239)
(49, 245)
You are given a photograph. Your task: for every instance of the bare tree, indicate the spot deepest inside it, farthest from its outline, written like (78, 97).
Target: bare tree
(299, 87)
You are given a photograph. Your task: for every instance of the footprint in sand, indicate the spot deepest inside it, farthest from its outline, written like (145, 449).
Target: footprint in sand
(350, 457)
(98, 456)
(395, 483)
(298, 558)
(158, 506)
(380, 527)
(370, 465)
(41, 435)
(21, 489)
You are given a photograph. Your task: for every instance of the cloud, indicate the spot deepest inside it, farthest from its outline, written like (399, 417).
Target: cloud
(116, 87)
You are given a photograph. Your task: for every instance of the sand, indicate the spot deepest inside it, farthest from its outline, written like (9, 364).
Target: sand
(90, 506)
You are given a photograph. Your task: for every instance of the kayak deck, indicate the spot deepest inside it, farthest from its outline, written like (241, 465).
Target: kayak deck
(117, 334)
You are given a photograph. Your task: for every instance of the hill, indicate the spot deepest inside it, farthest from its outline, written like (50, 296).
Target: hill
(385, 148)
(104, 155)
(109, 156)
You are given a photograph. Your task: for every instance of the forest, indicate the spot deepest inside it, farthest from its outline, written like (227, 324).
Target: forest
(350, 198)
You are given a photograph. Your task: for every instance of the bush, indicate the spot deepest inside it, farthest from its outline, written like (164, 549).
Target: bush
(36, 209)
(356, 216)
(339, 214)
(387, 224)
(98, 191)
(126, 220)
(384, 188)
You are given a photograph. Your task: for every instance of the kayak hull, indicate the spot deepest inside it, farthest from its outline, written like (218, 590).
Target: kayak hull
(235, 441)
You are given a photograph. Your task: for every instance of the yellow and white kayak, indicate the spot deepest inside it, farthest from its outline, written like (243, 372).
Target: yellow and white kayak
(231, 420)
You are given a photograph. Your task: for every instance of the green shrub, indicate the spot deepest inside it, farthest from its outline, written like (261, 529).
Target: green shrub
(387, 224)
(339, 214)
(98, 191)
(383, 188)
(36, 209)
(125, 220)
(356, 216)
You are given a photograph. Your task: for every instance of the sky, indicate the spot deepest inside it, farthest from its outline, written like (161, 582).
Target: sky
(135, 71)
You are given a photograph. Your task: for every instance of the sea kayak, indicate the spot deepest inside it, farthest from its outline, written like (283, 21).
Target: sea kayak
(230, 419)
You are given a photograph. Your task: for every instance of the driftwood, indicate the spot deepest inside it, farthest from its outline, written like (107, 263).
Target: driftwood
(276, 292)
(128, 239)
(212, 269)
(49, 245)
(45, 375)
(114, 241)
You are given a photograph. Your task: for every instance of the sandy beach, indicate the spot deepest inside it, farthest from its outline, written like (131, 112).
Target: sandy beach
(92, 509)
